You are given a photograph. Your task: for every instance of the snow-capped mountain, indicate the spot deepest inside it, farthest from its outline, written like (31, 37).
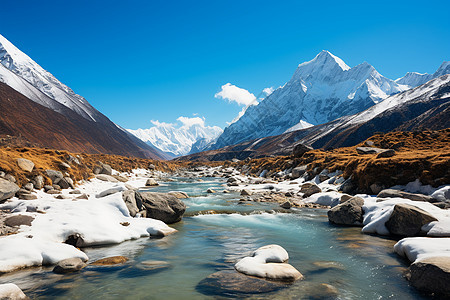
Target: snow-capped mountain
(176, 140)
(413, 79)
(27, 77)
(320, 91)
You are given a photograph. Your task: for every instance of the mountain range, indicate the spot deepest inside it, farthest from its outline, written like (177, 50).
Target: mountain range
(320, 91)
(70, 122)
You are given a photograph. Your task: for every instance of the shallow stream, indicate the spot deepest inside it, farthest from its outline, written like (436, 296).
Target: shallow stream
(351, 264)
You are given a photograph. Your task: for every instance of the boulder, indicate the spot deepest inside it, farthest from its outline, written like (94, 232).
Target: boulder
(269, 262)
(386, 153)
(24, 196)
(110, 261)
(110, 191)
(151, 182)
(19, 220)
(105, 169)
(348, 213)
(344, 198)
(151, 167)
(75, 192)
(10, 291)
(301, 149)
(210, 191)
(7, 189)
(38, 182)
(69, 265)
(28, 186)
(54, 175)
(179, 195)
(376, 188)
(25, 164)
(309, 189)
(65, 182)
(407, 220)
(391, 193)
(83, 197)
(431, 275)
(120, 178)
(64, 166)
(245, 192)
(161, 206)
(11, 178)
(368, 150)
(104, 177)
(130, 201)
(48, 188)
(286, 205)
(299, 171)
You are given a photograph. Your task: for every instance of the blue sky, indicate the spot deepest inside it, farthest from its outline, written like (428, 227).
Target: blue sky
(137, 61)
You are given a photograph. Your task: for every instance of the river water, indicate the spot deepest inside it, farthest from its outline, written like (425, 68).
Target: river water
(216, 232)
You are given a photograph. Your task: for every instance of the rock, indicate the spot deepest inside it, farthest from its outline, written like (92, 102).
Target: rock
(10, 178)
(130, 187)
(231, 283)
(347, 186)
(69, 265)
(105, 169)
(83, 197)
(368, 150)
(322, 177)
(299, 171)
(19, 220)
(151, 182)
(344, 198)
(245, 192)
(72, 160)
(25, 164)
(38, 182)
(61, 197)
(107, 178)
(110, 191)
(10, 291)
(269, 262)
(52, 192)
(301, 149)
(54, 175)
(210, 191)
(130, 201)
(75, 192)
(369, 143)
(179, 195)
(48, 188)
(120, 178)
(64, 166)
(110, 261)
(65, 183)
(348, 213)
(407, 220)
(75, 240)
(27, 196)
(431, 275)
(7, 189)
(96, 170)
(232, 179)
(286, 205)
(309, 189)
(151, 167)
(153, 265)
(160, 206)
(386, 153)
(391, 193)
(56, 187)
(376, 188)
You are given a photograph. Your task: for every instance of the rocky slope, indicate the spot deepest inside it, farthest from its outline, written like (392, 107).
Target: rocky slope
(320, 91)
(43, 110)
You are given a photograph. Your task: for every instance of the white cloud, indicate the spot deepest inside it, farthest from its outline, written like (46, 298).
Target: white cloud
(268, 91)
(188, 122)
(161, 124)
(236, 94)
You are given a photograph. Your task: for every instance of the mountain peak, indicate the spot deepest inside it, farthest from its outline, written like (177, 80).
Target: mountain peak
(321, 66)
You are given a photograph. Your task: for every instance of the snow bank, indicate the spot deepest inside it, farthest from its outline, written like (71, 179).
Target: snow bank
(376, 215)
(328, 198)
(420, 248)
(11, 291)
(99, 221)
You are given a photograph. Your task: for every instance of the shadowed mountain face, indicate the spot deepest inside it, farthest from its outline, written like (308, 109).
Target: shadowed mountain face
(424, 107)
(69, 131)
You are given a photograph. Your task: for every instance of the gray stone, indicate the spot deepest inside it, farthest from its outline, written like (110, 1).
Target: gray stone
(52, 192)
(7, 189)
(110, 192)
(386, 153)
(54, 175)
(245, 192)
(105, 169)
(56, 187)
(38, 182)
(376, 188)
(104, 177)
(25, 164)
(11, 178)
(391, 193)
(344, 198)
(28, 186)
(130, 201)
(74, 192)
(151, 182)
(83, 197)
(151, 167)
(179, 195)
(65, 183)
(27, 196)
(160, 206)
(301, 149)
(309, 189)
(61, 197)
(69, 265)
(407, 220)
(299, 171)
(19, 220)
(368, 150)
(64, 166)
(48, 188)
(286, 205)
(348, 213)
(210, 191)
(120, 178)
(432, 275)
